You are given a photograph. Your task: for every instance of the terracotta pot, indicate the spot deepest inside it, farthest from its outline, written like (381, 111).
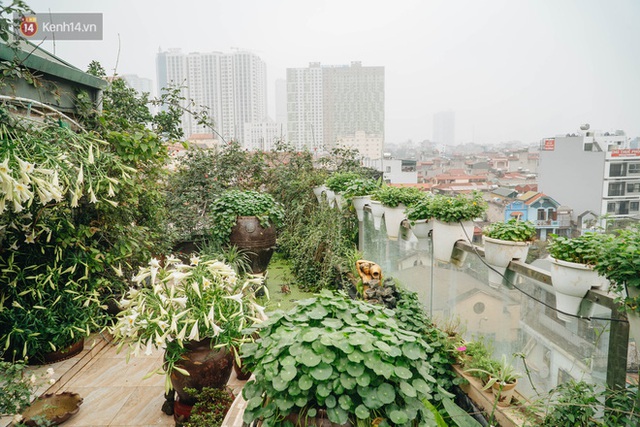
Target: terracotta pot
(259, 242)
(207, 367)
(504, 392)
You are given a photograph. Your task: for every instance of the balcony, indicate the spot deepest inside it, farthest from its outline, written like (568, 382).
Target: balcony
(516, 313)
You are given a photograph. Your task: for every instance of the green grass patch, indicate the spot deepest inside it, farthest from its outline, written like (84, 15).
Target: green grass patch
(282, 291)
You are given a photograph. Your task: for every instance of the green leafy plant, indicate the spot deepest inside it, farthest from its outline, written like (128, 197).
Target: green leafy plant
(618, 259)
(477, 359)
(234, 203)
(394, 196)
(174, 303)
(339, 181)
(420, 210)
(584, 249)
(457, 208)
(513, 230)
(360, 187)
(344, 356)
(501, 373)
(573, 403)
(212, 404)
(19, 385)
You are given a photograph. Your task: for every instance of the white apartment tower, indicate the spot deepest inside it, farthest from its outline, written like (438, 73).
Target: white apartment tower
(232, 87)
(328, 103)
(592, 172)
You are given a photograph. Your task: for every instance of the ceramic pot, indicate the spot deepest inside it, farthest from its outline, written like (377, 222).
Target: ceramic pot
(571, 281)
(257, 241)
(56, 356)
(208, 367)
(376, 211)
(358, 204)
(421, 228)
(445, 236)
(504, 392)
(54, 408)
(392, 219)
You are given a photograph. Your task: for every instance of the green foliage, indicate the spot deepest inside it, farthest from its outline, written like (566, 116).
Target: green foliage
(346, 356)
(457, 208)
(501, 373)
(234, 203)
(514, 230)
(318, 242)
(573, 404)
(18, 387)
(478, 359)
(394, 196)
(361, 187)
(621, 407)
(212, 404)
(339, 181)
(619, 259)
(420, 210)
(584, 249)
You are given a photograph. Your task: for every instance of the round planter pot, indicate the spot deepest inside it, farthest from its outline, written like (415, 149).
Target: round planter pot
(504, 392)
(421, 228)
(499, 254)
(57, 356)
(377, 211)
(571, 282)
(445, 236)
(340, 201)
(318, 192)
(358, 204)
(392, 219)
(257, 241)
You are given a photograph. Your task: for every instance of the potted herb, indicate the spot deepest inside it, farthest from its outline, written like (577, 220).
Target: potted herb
(453, 221)
(419, 216)
(343, 359)
(572, 269)
(338, 183)
(505, 241)
(619, 262)
(395, 201)
(196, 312)
(359, 190)
(502, 380)
(248, 220)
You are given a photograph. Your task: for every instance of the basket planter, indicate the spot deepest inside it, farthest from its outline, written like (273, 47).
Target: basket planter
(422, 228)
(445, 236)
(571, 282)
(358, 204)
(393, 218)
(377, 211)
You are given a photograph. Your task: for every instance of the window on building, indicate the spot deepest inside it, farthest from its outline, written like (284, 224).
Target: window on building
(623, 208)
(616, 189)
(634, 168)
(611, 207)
(542, 215)
(633, 188)
(552, 214)
(387, 169)
(617, 169)
(634, 206)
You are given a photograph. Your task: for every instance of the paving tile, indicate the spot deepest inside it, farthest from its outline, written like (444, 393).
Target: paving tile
(142, 408)
(100, 405)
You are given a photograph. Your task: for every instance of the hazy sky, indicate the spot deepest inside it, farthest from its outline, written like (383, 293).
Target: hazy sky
(511, 70)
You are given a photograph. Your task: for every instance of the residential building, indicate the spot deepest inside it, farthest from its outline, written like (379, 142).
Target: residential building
(140, 84)
(592, 172)
(263, 136)
(230, 87)
(444, 128)
(546, 213)
(368, 145)
(328, 103)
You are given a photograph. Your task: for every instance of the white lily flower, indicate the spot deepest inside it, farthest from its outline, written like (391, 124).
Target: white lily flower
(154, 263)
(182, 333)
(196, 288)
(237, 298)
(195, 260)
(195, 333)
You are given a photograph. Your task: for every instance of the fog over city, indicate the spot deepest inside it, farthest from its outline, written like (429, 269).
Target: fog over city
(509, 70)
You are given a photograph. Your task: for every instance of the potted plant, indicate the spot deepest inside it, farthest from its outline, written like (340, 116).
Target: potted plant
(453, 221)
(338, 183)
(247, 220)
(619, 262)
(505, 241)
(196, 312)
(572, 269)
(359, 190)
(502, 380)
(395, 201)
(343, 359)
(419, 216)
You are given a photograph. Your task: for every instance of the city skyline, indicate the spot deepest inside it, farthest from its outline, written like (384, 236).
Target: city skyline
(510, 71)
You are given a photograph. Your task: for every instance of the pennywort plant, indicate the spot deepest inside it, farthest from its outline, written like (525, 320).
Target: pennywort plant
(458, 208)
(394, 196)
(513, 230)
(339, 181)
(584, 249)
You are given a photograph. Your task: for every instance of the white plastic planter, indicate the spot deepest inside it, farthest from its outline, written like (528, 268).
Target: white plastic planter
(376, 211)
(571, 282)
(421, 228)
(318, 192)
(340, 201)
(358, 203)
(499, 254)
(445, 236)
(392, 219)
(331, 196)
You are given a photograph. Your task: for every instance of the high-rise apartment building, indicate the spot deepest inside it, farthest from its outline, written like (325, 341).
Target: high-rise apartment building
(444, 128)
(231, 86)
(593, 173)
(140, 84)
(329, 103)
